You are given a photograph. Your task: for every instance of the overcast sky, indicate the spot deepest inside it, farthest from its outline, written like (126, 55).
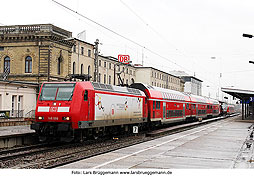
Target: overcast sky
(201, 37)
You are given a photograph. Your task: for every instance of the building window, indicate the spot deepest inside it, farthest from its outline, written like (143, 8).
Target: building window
(127, 81)
(105, 64)
(99, 62)
(130, 72)
(132, 81)
(127, 70)
(89, 53)
(28, 64)
(109, 79)
(104, 78)
(82, 50)
(7, 61)
(74, 48)
(73, 68)
(99, 78)
(82, 69)
(88, 70)
(1, 48)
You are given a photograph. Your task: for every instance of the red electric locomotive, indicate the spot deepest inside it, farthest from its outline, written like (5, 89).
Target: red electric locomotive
(80, 109)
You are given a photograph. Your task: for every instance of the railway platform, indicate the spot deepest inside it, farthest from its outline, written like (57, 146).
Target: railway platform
(223, 144)
(16, 135)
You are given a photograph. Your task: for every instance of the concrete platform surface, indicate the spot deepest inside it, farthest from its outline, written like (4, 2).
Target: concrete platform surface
(15, 130)
(217, 145)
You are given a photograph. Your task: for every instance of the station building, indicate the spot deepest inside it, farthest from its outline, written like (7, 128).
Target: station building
(158, 78)
(191, 84)
(16, 98)
(32, 54)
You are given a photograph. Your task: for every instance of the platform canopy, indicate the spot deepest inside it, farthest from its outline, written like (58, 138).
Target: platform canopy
(239, 93)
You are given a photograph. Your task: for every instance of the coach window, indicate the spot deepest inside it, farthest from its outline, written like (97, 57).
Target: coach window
(86, 95)
(158, 104)
(187, 106)
(153, 104)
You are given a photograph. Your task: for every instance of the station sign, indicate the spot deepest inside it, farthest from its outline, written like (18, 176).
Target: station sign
(124, 59)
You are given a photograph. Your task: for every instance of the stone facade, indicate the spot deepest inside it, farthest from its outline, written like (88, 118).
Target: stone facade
(38, 53)
(82, 59)
(108, 67)
(158, 78)
(46, 46)
(192, 84)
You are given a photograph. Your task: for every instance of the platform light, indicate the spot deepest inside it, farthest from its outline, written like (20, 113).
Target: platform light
(247, 35)
(251, 62)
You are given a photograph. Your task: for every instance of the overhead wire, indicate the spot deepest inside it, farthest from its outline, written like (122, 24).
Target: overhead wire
(126, 38)
(122, 36)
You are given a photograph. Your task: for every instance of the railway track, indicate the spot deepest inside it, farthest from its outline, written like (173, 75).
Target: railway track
(44, 156)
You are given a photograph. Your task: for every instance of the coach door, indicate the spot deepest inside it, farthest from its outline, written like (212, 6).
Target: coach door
(164, 110)
(184, 110)
(85, 107)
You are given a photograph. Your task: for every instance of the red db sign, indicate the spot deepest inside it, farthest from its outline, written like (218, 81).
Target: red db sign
(124, 59)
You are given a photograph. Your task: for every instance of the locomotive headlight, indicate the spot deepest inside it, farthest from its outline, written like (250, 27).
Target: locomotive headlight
(41, 118)
(66, 118)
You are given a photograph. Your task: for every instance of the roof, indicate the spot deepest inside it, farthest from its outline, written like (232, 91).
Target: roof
(76, 39)
(161, 93)
(117, 89)
(239, 93)
(183, 74)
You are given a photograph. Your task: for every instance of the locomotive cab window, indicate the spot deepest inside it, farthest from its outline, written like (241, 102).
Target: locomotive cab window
(58, 92)
(86, 95)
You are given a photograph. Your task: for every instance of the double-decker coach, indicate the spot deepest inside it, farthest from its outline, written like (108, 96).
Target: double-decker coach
(166, 106)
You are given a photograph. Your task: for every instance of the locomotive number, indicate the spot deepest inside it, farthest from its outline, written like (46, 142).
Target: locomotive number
(135, 129)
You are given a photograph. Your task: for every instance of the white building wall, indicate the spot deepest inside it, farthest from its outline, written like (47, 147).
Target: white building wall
(10, 91)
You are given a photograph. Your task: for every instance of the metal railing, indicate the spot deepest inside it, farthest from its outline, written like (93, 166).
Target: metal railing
(25, 29)
(30, 114)
(17, 113)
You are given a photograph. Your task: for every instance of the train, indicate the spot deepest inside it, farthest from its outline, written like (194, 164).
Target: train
(70, 111)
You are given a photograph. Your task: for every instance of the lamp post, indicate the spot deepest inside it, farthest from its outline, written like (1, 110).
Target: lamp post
(247, 35)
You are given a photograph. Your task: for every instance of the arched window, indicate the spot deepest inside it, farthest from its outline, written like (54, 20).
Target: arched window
(81, 69)
(88, 70)
(132, 81)
(59, 65)
(7, 62)
(73, 68)
(28, 64)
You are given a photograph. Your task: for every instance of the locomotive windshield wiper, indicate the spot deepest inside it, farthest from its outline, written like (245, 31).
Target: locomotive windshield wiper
(70, 96)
